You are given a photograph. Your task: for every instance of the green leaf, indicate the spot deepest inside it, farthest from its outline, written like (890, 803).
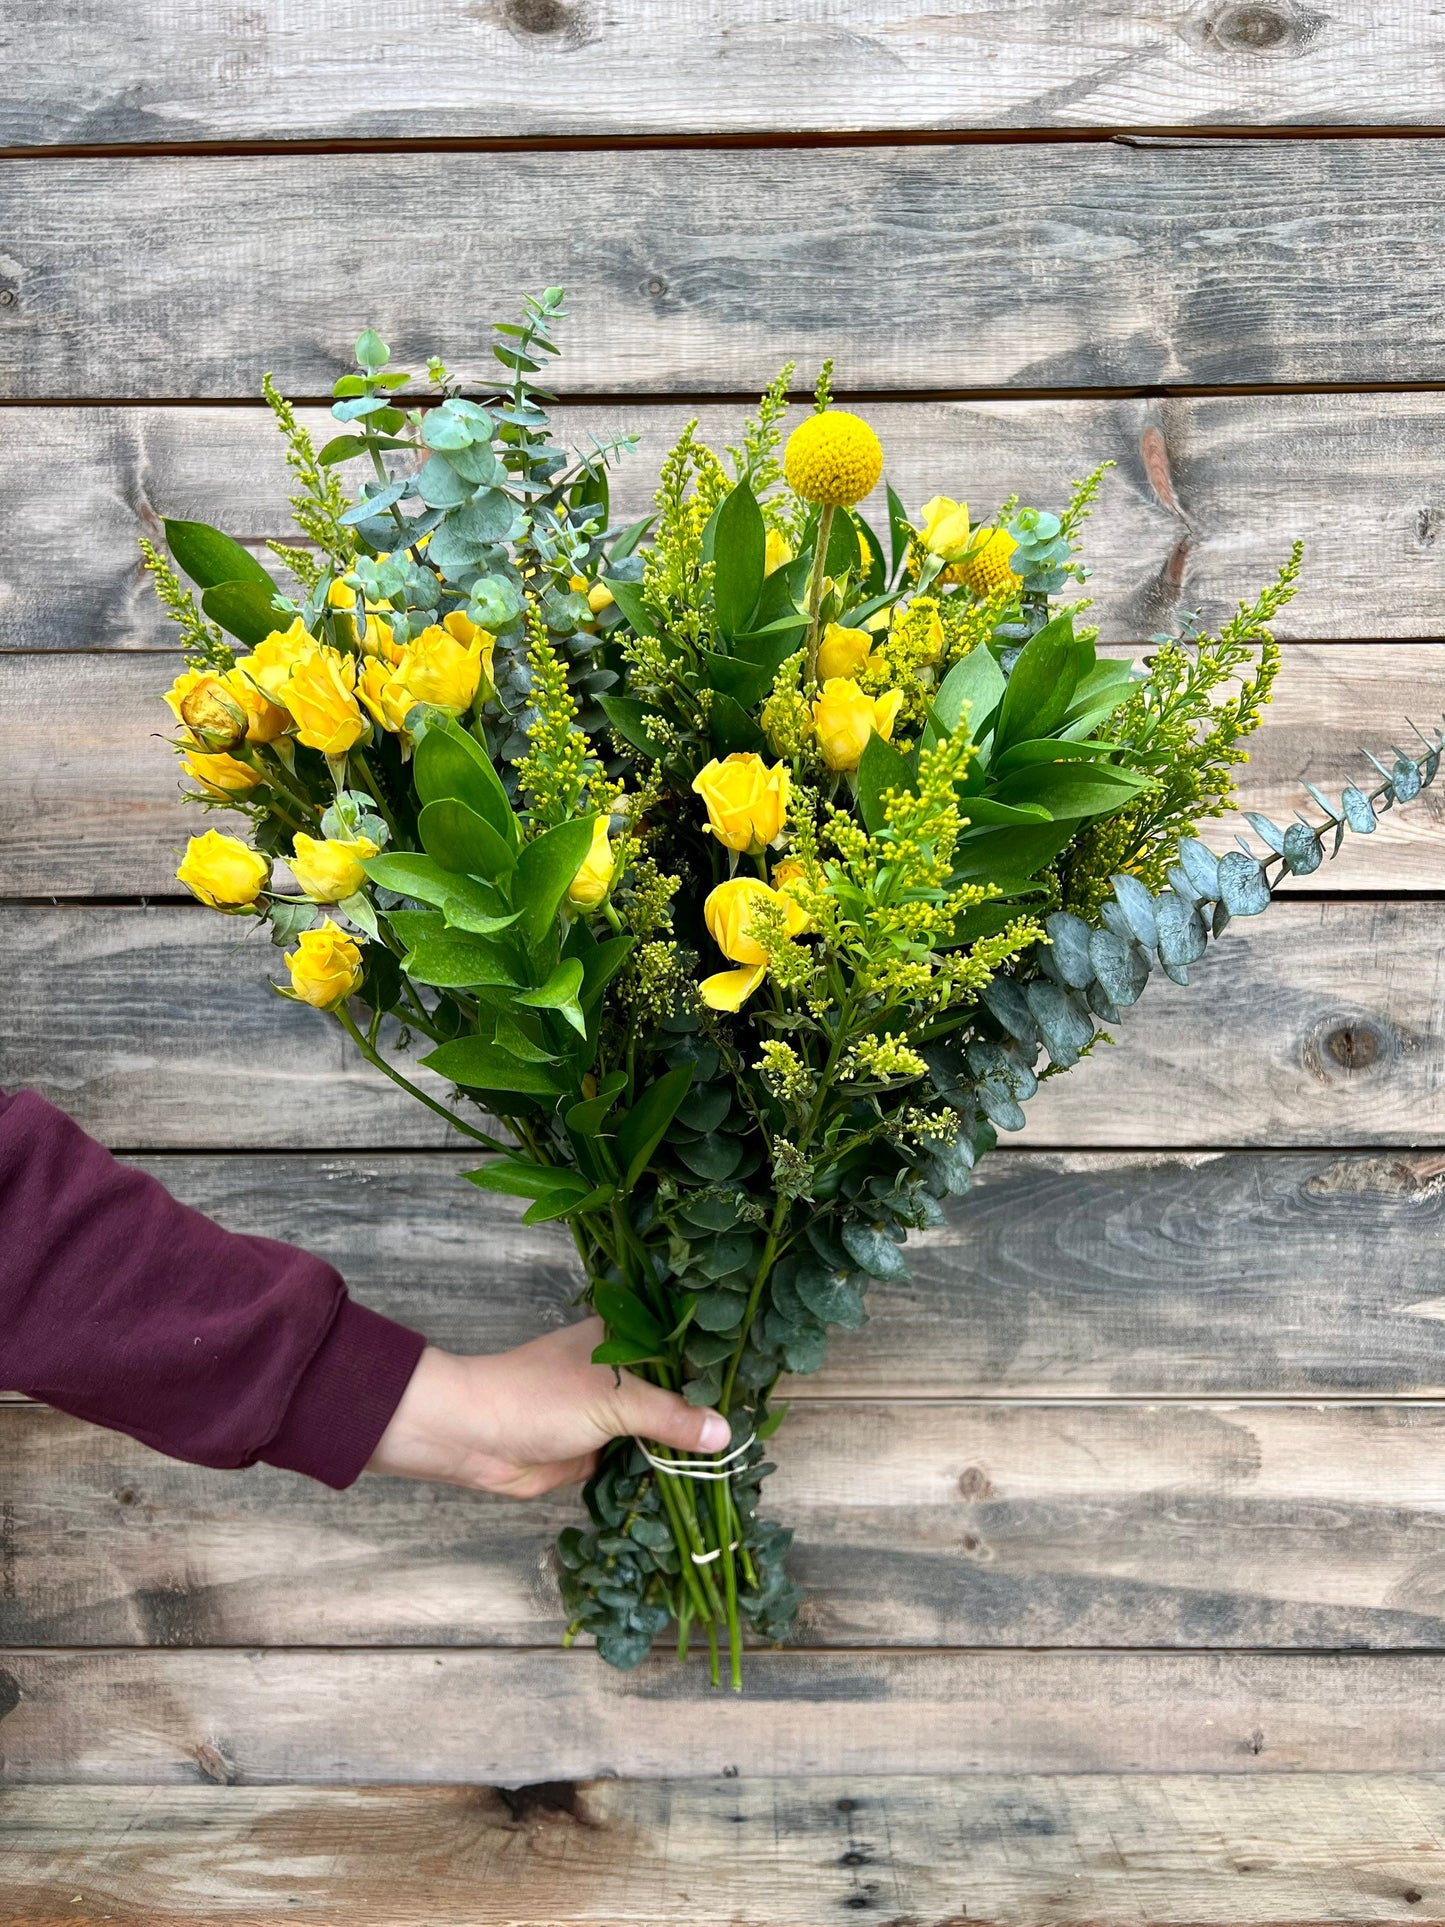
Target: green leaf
(210, 558)
(461, 840)
(1042, 684)
(450, 959)
(766, 1428)
(520, 1178)
(587, 1118)
(480, 1064)
(733, 729)
(844, 555)
(600, 965)
(372, 352)
(1049, 749)
(545, 869)
(466, 904)
(898, 536)
(626, 543)
(628, 597)
(559, 993)
(345, 448)
(621, 1351)
(873, 1251)
(625, 1314)
(545, 1209)
(451, 763)
(1008, 857)
(440, 486)
(244, 610)
(976, 683)
(630, 719)
(1070, 789)
(881, 767)
(640, 1132)
(988, 812)
(739, 543)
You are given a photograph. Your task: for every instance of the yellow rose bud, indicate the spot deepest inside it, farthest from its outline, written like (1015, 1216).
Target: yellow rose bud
(595, 872)
(460, 625)
(728, 914)
(330, 870)
(271, 662)
(320, 693)
(212, 715)
(325, 966)
(341, 595)
(833, 458)
(599, 597)
(221, 775)
(844, 718)
(577, 584)
(439, 669)
(747, 803)
(842, 652)
(225, 873)
(943, 527)
(385, 694)
(786, 876)
(777, 551)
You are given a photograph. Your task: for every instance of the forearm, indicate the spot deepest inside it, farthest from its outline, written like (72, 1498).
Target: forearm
(122, 1306)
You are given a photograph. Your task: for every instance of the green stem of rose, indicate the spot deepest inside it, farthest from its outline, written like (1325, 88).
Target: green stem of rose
(348, 1024)
(815, 590)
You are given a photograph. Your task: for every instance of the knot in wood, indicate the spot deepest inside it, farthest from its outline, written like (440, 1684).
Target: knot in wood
(1349, 1044)
(540, 16)
(1353, 1047)
(1254, 29)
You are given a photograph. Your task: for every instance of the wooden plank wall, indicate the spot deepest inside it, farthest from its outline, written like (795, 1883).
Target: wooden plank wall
(1143, 1471)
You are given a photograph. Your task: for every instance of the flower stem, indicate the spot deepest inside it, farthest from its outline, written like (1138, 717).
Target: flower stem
(815, 589)
(347, 1022)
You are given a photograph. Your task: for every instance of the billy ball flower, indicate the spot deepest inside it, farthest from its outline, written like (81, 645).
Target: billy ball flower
(986, 568)
(595, 872)
(844, 718)
(325, 967)
(330, 869)
(225, 873)
(833, 458)
(747, 802)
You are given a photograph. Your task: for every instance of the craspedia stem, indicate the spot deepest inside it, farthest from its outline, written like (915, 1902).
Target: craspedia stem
(815, 589)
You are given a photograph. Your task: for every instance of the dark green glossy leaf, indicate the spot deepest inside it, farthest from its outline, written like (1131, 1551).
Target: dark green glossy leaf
(461, 840)
(482, 1065)
(545, 869)
(449, 762)
(881, 767)
(244, 610)
(1041, 685)
(739, 542)
(631, 720)
(641, 1130)
(209, 558)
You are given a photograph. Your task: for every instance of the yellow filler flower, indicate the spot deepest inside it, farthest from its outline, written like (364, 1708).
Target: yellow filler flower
(595, 872)
(833, 458)
(747, 802)
(844, 718)
(728, 914)
(330, 869)
(325, 966)
(225, 873)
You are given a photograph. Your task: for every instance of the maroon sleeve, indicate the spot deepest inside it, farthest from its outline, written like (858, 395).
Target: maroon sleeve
(124, 1307)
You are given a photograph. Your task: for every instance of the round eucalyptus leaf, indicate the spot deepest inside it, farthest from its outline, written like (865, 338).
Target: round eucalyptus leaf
(1302, 850)
(1138, 908)
(1121, 968)
(1241, 887)
(1069, 941)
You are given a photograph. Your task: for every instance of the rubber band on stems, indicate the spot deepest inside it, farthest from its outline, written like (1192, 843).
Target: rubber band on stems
(714, 1470)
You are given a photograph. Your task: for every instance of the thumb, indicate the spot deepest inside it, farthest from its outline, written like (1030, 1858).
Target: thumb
(653, 1413)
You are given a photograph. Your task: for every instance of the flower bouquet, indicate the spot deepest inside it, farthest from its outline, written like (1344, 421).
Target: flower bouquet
(745, 870)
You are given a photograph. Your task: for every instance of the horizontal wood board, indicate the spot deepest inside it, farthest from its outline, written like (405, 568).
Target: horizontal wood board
(1093, 265)
(1320, 1024)
(1060, 1274)
(90, 790)
(918, 1525)
(523, 68)
(1190, 1850)
(511, 1717)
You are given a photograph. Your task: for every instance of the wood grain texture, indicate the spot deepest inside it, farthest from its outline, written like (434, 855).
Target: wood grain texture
(919, 1524)
(510, 1717)
(1300, 1275)
(183, 72)
(1199, 510)
(1319, 1025)
(1088, 265)
(1015, 1850)
(90, 794)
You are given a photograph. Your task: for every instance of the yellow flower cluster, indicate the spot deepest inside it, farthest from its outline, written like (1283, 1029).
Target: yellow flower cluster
(980, 561)
(833, 458)
(446, 666)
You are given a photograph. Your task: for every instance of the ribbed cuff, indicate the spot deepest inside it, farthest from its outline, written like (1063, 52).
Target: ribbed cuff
(344, 1400)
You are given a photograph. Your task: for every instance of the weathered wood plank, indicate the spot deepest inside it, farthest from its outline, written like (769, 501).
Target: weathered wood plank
(1200, 508)
(1321, 1024)
(508, 1717)
(556, 67)
(1014, 1850)
(1302, 1274)
(921, 1524)
(90, 795)
(1089, 265)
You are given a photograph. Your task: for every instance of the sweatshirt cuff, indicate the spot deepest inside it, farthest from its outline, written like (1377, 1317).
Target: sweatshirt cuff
(344, 1400)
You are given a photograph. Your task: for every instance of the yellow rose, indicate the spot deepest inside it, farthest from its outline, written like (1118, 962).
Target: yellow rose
(944, 528)
(271, 662)
(325, 966)
(599, 597)
(320, 693)
(225, 873)
(221, 775)
(385, 694)
(786, 876)
(842, 652)
(437, 668)
(213, 718)
(330, 870)
(747, 803)
(777, 551)
(844, 718)
(265, 720)
(728, 914)
(460, 625)
(595, 872)
(341, 595)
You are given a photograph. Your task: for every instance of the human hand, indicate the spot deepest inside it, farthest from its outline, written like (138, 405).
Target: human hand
(525, 1421)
